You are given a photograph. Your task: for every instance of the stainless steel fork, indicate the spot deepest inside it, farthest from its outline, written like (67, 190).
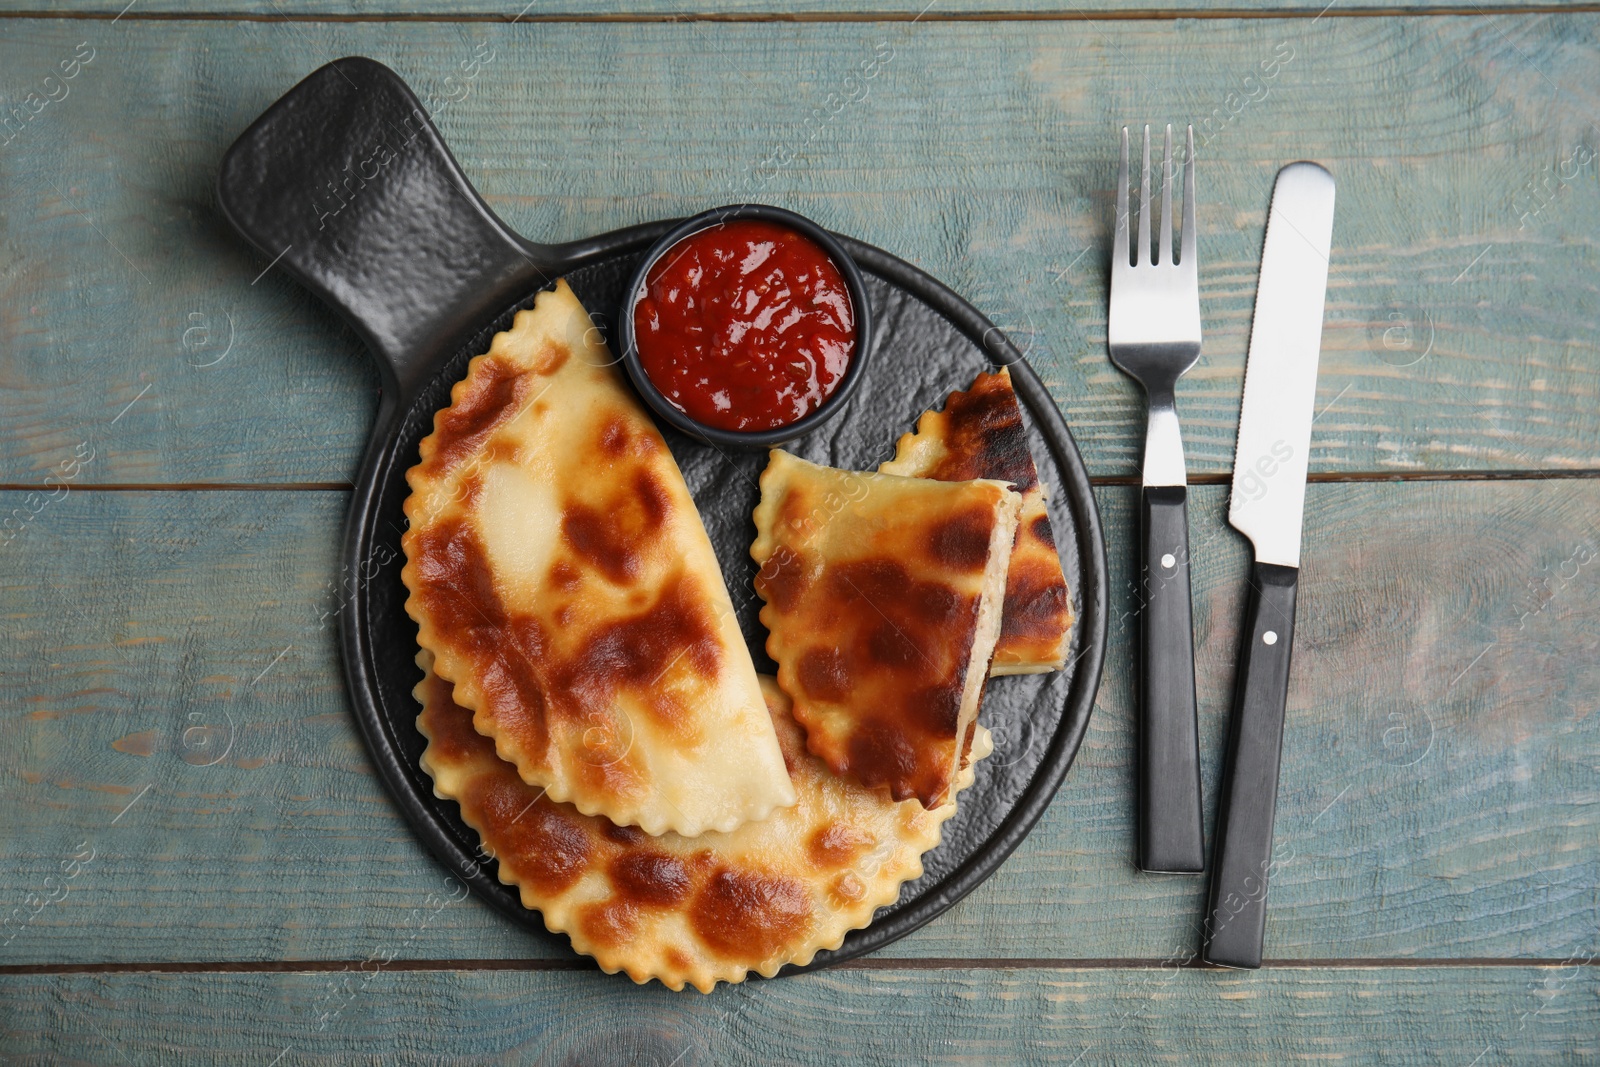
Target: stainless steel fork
(1154, 332)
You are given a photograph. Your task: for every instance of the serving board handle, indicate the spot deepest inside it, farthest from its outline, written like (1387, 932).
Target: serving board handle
(345, 184)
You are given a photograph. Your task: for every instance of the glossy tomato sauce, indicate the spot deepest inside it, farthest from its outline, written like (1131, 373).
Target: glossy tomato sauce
(746, 325)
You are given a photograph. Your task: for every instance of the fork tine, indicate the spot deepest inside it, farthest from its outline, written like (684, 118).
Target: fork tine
(1188, 251)
(1119, 246)
(1164, 252)
(1142, 253)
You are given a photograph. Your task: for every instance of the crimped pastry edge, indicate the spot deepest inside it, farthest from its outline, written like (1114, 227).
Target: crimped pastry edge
(761, 550)
(558, 917)
(922, 447)
(457, 671)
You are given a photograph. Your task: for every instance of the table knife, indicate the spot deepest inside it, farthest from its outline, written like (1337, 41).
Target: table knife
(1267, 506)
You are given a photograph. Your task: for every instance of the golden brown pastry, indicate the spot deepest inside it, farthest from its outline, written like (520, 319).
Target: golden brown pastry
(698, 910)
(979, 434)
(560, 575)
(883, 600)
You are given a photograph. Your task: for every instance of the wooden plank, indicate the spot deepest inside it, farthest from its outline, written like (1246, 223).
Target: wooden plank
(1399, 1016)
(1462, 313)
(522, 11)
(173, 704)
(1444, 661)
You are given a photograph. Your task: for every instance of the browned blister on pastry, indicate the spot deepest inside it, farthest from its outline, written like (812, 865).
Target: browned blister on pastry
(980, 434)
(682, 910)
(883, 600)
(560, 575)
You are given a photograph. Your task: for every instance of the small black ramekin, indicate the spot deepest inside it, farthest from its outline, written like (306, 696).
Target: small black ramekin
(753, 439)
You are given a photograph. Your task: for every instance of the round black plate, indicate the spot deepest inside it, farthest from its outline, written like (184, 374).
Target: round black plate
(930, 342)
(349, 189)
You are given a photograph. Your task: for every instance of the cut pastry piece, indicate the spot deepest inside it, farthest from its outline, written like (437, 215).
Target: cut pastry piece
(560, 575)
(883, 598)
(979, 434)
(698, 910)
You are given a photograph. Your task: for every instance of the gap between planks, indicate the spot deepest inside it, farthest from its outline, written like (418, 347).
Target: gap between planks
(869, 964)
(1098, 481)
(191, 487)
(1143, 14)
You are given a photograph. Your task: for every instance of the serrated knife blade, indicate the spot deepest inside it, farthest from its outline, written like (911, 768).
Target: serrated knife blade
(1269, 490)
(1280, 377)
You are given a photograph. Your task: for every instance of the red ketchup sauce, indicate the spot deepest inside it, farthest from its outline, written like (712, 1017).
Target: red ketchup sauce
(745, 326)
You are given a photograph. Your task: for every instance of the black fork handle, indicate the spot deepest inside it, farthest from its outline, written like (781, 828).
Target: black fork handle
(1171, 840)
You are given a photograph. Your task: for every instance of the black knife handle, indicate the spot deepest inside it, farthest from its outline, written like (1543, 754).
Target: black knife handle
(1171, 839)
(1236, 916)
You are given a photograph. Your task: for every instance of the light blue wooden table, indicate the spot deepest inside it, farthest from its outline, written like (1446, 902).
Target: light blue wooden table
(197, 863)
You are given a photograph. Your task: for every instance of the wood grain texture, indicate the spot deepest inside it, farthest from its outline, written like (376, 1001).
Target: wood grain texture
(1438, 800)
(1392, 1016)
(524, 11)
(1462, 312)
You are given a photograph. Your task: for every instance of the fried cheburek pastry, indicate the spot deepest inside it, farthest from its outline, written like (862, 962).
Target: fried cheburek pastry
(689, 910)
(883, 599)
(979, 434)
(561, 577)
